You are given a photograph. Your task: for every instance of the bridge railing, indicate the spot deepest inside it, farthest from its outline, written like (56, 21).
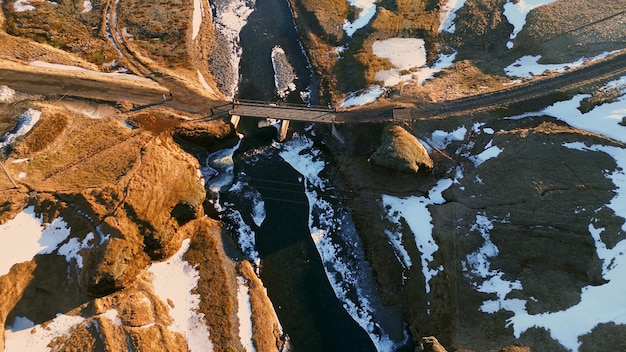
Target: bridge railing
(283, 105)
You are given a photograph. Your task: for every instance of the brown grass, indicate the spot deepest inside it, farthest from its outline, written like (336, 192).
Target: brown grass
(161, 29)
(83, 153)
(216, 284)
(63, 27)
(265, 325)
(564, 31)
(153, 122)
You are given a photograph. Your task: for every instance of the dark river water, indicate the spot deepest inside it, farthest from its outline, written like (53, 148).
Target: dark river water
(291, 268)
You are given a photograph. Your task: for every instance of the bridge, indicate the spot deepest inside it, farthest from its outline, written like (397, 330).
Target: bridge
(284, 112)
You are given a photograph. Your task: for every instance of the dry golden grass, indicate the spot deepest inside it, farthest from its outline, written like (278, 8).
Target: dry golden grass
(154, 122)
(162, 29)
(329, 17)
(44, 133)
(66, 150)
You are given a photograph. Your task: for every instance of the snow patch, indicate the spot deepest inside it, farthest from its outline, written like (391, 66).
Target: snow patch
(447, 15)
(204, 83)
(24, 335)
(408, 58)
(113, 316)
(87, 6)
(442, 139)
(529, 66)
(516, 12)
(6, 95)
(244, 313)
(367, 11)
(604, 119)
(22, 6)
(414, 211)
(284, 73)
(72, 248)
(29, 236)
(363, 97)
(245, 236)
(175, 279)
(490, 152)
(25, 123)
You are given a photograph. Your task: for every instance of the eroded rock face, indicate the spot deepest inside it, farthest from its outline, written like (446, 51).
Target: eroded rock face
(401, 151)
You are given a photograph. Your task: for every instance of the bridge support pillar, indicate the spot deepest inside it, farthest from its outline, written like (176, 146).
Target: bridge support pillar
(336, 134)
(284, 126)
(234, 120)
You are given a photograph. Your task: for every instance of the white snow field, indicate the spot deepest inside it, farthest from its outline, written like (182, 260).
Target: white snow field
(175, 279)
(408, 58)
(26, 235)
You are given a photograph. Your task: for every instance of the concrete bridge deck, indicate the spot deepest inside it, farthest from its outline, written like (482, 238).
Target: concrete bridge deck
(283, 111)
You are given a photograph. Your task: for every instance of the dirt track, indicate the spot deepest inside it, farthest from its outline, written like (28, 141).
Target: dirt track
(98, 86)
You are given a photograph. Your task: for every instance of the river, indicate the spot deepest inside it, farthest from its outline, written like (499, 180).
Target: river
(286, 217)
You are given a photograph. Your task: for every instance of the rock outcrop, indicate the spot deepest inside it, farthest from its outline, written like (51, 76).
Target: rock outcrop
(401, 151)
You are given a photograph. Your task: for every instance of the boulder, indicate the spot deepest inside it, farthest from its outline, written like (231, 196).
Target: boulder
(401, 151)
(431, 344)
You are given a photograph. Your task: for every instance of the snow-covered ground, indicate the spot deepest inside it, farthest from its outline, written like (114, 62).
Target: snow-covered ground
(447, 15)
(229, 20)
(29, 236)
(600, 303)
(24, 335)
(363, 97)
(516, 12)
(25, 123)
(175, 279)
(414, 211)
(336, 241)
(604, 119)
(528, 66)
(244, 313)
(408, 58)
(23, 5)
(367, 11)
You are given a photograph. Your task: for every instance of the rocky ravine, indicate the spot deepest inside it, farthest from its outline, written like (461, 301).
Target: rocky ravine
(129, 198)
